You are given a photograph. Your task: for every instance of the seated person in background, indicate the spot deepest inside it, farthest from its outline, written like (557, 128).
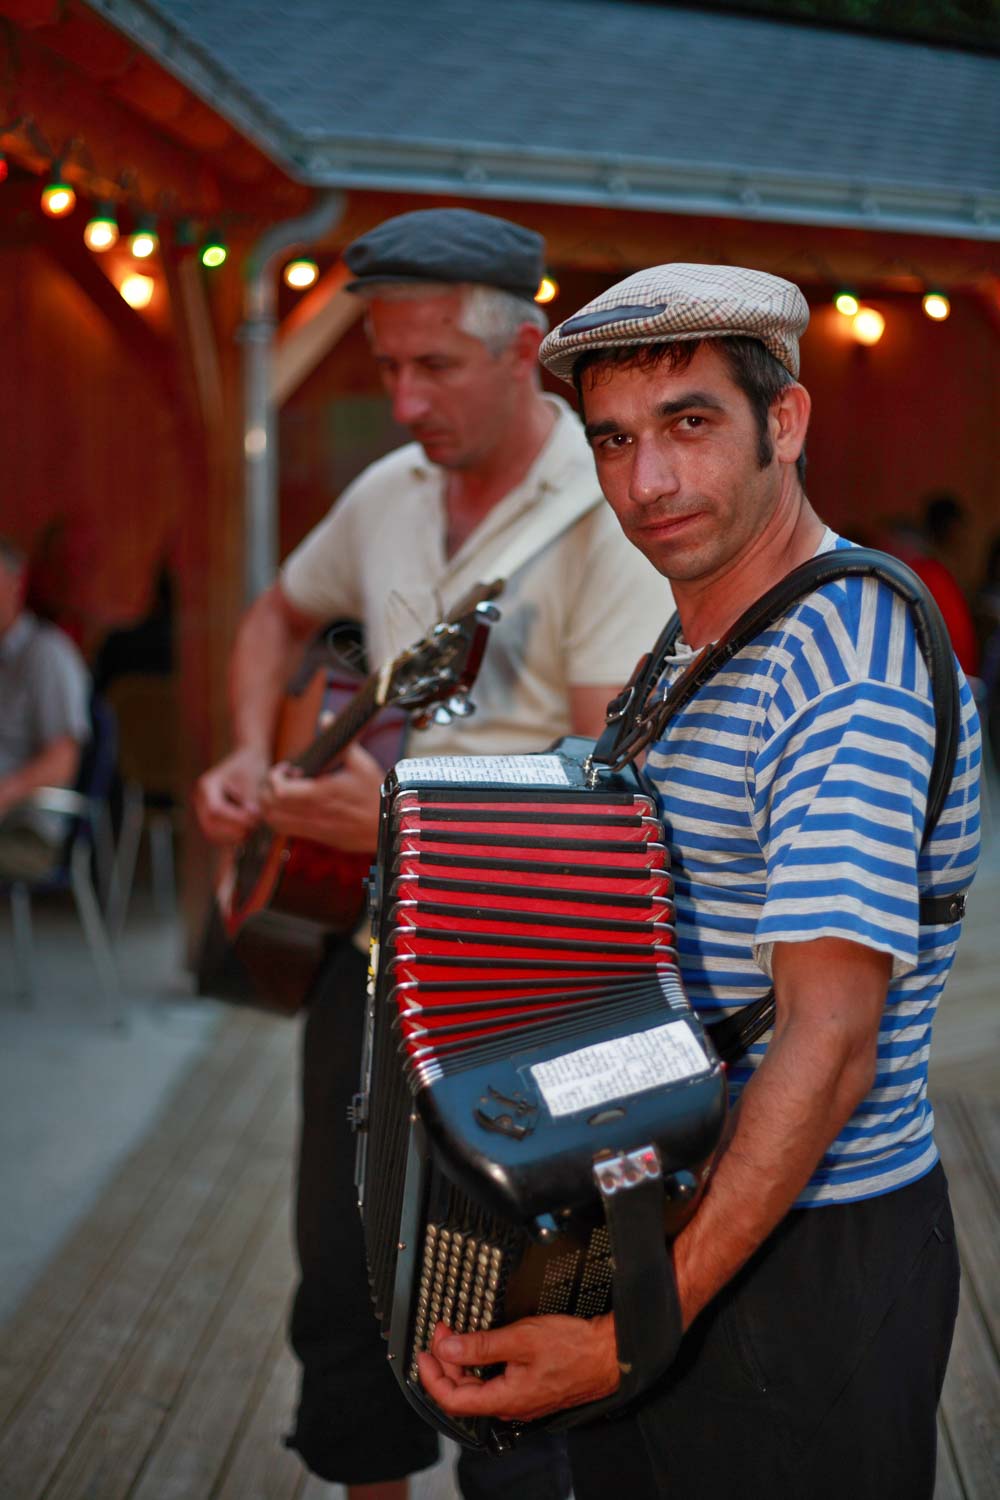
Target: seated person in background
(147, 646)
(930, 552)
(45, 719)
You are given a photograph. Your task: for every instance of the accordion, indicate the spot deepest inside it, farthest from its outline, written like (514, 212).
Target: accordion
(530, 1056)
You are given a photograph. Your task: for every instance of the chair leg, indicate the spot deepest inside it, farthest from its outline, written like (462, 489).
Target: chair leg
(24, 947)
(104, 857)
(161, 851)
(129, 837)
(95, 931)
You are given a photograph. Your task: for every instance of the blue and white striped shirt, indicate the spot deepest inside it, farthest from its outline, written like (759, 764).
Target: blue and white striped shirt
(793, 789)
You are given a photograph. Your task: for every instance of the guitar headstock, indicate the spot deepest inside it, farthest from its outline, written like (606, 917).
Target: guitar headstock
(439, 671)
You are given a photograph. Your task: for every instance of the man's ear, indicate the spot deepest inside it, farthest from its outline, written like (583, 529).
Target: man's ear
(788, 420)
(523, 349)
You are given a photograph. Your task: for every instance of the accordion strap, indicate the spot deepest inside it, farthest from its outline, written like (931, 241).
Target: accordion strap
(633, 722)
(643, 1287)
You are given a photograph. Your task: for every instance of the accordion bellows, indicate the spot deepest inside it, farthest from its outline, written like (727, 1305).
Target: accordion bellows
(527, 1029)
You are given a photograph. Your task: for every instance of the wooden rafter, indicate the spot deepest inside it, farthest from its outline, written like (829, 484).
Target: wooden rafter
(311, 330)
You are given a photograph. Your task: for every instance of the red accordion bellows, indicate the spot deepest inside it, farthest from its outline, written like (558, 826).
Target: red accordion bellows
(501, 914)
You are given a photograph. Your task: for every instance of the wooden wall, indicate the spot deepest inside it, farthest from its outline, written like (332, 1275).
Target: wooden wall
(90, 444)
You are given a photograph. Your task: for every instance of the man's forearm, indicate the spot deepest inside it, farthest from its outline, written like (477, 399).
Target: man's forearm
(801, 1096)
(56, 765)
(267, 649)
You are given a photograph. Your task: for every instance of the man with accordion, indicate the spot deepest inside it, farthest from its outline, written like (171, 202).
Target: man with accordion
(814, 753)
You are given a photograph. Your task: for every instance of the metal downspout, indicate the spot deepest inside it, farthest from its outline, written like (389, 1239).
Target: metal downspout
(256, 334)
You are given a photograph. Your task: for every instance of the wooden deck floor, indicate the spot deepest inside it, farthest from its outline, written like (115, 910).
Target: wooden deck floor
(148, 1362)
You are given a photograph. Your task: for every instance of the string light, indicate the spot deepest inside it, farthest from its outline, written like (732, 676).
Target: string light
(936, 306)
(548, 289)
(299, 274)
(102, 230)
(137, 290)
(868, 325)
(214, 252)
(58, 198)
(143, 242)
(847, 303)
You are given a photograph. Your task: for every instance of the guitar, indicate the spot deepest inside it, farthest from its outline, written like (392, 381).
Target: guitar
(279, 898)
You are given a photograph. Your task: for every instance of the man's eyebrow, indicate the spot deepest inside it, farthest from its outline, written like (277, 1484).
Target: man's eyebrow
(600, 429)
(690, 401)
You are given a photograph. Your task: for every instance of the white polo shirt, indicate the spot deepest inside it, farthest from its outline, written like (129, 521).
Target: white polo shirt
(581, 611)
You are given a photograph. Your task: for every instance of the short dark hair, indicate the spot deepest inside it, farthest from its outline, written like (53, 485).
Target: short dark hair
(754, 369)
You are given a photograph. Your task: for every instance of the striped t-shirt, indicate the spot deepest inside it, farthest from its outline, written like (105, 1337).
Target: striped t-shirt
(793, 789)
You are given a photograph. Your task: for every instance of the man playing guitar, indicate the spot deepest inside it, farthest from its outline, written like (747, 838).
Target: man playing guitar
(498, 482)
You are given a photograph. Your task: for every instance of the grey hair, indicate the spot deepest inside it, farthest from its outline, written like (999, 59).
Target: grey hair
(489, 314)
(12, 556)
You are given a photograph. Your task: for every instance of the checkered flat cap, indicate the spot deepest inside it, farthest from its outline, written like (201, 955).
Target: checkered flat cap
(681, 301)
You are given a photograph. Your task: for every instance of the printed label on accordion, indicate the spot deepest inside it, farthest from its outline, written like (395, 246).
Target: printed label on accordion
(504, 770)
(615, 1070)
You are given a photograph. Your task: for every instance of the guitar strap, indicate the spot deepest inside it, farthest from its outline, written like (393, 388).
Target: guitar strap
(634, 721)
(544, 525)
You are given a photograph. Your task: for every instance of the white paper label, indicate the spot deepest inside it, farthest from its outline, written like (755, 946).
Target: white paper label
(503, 770)
(617, 1069)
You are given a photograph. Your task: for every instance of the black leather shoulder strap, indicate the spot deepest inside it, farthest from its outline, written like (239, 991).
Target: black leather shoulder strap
(639, 722)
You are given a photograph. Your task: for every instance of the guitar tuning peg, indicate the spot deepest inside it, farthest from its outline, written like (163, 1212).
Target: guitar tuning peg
(441, 715)
(420, 721)
(461, 706)
(487, 611)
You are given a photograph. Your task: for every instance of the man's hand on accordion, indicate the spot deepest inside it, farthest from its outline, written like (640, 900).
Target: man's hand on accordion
(549, 1363)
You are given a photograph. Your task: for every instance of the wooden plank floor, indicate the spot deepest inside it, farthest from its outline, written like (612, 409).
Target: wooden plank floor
(148, 1362)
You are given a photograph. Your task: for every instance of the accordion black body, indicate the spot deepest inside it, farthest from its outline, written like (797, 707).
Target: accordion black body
(529, 1049)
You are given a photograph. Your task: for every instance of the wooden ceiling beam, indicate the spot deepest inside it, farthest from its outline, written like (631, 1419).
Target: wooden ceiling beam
(200, 373)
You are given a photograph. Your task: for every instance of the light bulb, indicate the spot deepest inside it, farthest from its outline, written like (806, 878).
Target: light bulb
(937, 306)
(58, 199)
(143, 243)
(847, 303)
(214, 253)
(101, 231)
(868, 325)
(548, 289)
(299, 274)
(137, 290)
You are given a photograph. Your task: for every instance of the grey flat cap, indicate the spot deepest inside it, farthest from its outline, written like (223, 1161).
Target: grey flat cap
(450, 245)
(683, 301)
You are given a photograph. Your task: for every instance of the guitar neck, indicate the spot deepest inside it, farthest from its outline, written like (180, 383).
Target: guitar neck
(348, 724)
(382, 687)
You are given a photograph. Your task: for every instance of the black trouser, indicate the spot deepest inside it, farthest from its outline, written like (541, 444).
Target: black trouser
(815, 1375)
(354, 1426)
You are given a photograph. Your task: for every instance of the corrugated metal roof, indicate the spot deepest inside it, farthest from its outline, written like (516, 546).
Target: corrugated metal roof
(598, 101)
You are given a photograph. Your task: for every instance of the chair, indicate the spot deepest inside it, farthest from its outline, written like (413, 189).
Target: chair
(146, 708)
(88, 843)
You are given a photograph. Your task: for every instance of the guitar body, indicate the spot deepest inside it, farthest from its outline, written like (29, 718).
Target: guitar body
(279, 898)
